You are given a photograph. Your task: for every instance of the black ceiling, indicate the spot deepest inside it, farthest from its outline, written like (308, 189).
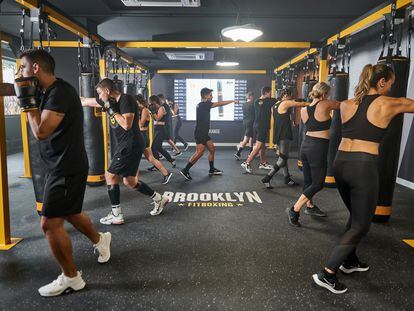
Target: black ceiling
(281, 20)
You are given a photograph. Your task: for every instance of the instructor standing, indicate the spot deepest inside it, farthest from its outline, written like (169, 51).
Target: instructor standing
(56, 120)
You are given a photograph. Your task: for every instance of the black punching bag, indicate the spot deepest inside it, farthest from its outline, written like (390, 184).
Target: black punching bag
(37, 169)
(130, 89)
(389, 150)
(119, 84)
(339, 83)
(407, 168)
(306, 89)
(92, 131)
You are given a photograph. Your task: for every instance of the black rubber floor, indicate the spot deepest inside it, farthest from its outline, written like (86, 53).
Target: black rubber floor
(212, 251)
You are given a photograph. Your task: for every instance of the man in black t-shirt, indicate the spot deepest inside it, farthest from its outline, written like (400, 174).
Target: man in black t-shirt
(168, 125)
(123, 115)
(56, 120)
(202, 139)
(263, 111)
(248, 120)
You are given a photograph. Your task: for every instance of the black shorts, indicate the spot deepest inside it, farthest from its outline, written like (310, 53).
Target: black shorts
(261, 135)
(248, 129)
(146, 137)
(126, 159)
(63, 195)
(201, 138)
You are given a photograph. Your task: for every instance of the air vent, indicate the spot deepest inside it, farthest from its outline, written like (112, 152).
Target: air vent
(185, 56)
(165, 3)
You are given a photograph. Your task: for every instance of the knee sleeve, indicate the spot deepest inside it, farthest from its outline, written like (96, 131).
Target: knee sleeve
(144, 188)
(114, 194)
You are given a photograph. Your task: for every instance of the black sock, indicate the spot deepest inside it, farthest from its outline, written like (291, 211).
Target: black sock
(144, 189)
(211, 165)
(187, 167)
(251, 149)
(114, 194)
(239, 151)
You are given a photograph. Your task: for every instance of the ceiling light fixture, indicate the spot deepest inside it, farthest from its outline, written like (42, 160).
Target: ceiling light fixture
(246, 33)
(227, 64)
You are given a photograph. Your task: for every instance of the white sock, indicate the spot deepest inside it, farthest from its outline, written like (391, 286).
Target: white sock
(156, 196)
(116, 210)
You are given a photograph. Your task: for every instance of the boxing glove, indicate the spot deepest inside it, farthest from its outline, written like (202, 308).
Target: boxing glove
(109, 107)
(27, 92)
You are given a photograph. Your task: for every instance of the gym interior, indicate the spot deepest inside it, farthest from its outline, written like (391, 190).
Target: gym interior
(222, 242)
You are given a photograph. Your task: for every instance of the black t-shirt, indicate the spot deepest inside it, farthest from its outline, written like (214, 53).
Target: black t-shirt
(203, 117)
(248, 112)
(63, 152)
(263, 111)
(126, 104)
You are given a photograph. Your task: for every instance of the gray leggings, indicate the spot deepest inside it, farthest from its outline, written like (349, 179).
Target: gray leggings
(282, 161)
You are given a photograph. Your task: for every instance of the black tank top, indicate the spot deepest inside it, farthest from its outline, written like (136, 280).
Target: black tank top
(358, 127)
(283, 127)
(146, 124)
(165, 116)
(313, 125)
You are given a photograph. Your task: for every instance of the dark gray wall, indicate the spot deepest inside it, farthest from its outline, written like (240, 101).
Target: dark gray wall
(220, 131)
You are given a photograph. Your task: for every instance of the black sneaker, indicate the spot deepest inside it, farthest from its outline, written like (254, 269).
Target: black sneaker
(186, 174)
(185, 147)
(293, 217)
(166, 179)
(177, 154)
(331, 283)
(152, 168)
(174, 164)
(266, 182)
(290, 182)
(237, 156)
(348, 268)
(314, 211)
(215, 171)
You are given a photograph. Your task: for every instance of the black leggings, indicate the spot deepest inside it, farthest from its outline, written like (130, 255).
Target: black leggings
(177, 131)
(313, 153)
(356, 176)
(159, 136)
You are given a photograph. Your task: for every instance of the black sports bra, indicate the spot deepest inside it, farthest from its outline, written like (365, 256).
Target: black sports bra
(359, 127)
(313, 125)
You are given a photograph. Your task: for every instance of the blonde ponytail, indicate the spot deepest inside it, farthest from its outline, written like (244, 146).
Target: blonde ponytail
(319, 90)
(364, 83)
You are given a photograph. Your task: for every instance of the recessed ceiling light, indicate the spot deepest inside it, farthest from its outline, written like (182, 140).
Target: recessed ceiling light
(227, 64)
(245, 33)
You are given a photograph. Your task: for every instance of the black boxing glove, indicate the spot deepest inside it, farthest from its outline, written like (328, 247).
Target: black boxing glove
(153, 109)
(300, 100)
(109, 107)
(28, 93)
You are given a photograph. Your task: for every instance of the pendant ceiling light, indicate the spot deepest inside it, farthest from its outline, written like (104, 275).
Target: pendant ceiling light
(245, 33)
(227, 64)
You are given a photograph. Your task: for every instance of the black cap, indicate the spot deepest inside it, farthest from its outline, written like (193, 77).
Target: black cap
(205, 91)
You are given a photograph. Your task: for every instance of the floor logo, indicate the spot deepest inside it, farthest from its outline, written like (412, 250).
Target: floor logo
(214, 199)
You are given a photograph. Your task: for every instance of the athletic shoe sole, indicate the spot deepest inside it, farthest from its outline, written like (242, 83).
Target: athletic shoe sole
(247, 169)
(324, 285)
(185, 176)
(290, 221)
(352, 270)
(111, 223)
(168, 179)
(215, 173)
(109, 252)
(311, 214)
(236, 156)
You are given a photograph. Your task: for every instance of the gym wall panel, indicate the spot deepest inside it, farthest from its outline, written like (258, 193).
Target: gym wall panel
(67, 65)
(228, 132)
(366, 49)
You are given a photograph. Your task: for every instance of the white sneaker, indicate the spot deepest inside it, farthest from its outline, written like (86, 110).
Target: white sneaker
(247, 167)
(159, 205)
(265, 166)
(111, 219)
(62, 284)
(103, 247)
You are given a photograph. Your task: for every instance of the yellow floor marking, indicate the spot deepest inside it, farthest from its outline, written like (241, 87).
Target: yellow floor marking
(409, 242)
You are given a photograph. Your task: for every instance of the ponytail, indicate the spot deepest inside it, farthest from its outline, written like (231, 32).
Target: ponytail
(319, 89)
(364, 83)
(369, 78)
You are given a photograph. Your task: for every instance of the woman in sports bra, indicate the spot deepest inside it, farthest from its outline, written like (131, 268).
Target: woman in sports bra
(364, 122)
(314, 150)
(144, 120)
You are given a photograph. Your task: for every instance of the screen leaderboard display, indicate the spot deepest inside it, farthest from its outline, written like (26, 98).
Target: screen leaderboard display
(187, 96)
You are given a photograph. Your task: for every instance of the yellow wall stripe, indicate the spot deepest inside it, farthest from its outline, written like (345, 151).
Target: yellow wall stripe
(218, 44)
